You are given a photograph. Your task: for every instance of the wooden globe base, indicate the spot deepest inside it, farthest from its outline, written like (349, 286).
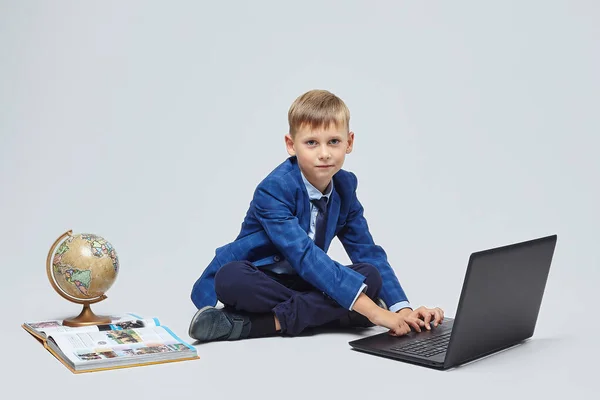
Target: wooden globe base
(86, 317)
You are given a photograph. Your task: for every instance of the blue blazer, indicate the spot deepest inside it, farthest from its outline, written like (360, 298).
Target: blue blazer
(275, 228)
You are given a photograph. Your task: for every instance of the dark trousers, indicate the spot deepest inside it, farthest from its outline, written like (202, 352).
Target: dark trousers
(296, 303)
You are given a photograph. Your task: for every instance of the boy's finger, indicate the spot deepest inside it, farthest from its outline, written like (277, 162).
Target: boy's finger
(415, 325)
(427, 321)
(402, 328)
(421, 323)
(441, 312)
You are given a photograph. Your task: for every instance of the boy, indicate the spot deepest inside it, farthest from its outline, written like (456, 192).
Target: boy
(276, 277)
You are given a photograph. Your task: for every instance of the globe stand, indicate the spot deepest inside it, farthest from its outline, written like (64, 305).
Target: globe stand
(86, 317)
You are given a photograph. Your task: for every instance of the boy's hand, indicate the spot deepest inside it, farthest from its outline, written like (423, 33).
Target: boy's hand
(399, 323)
(422, 316)
(395, 322)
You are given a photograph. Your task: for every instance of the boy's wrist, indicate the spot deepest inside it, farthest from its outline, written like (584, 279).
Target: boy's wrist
(365, 306)
(378, 315)
(404, 311)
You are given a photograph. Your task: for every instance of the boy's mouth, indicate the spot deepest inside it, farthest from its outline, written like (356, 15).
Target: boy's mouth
(324, 166)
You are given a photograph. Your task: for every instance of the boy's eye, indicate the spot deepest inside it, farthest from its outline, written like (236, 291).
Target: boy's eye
(311, 142)
(334, 141)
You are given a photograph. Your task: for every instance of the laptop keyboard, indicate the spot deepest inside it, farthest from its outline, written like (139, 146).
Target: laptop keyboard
(426, 347)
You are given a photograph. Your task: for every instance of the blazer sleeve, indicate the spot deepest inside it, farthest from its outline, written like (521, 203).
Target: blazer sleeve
(274, 203)
(361, 248)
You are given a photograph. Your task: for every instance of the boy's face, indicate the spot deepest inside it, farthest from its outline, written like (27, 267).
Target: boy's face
(320, 152)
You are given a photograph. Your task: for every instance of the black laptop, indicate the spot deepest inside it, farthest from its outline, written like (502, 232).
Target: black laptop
(498, 308)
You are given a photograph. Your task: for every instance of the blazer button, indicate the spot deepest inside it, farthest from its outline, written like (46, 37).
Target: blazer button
(276, 258)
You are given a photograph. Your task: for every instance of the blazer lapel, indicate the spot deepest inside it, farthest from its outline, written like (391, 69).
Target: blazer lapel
(303, 211)
(333, 212)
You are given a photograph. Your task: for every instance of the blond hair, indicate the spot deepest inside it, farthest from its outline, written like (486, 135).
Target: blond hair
(318, 109)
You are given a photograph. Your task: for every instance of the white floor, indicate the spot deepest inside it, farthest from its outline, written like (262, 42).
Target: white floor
(317, 366)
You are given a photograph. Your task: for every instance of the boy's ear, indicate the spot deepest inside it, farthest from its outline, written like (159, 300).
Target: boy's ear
(289, 145)
(350, 142)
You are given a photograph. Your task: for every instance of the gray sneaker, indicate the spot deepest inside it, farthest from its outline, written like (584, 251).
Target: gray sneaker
(211, 324)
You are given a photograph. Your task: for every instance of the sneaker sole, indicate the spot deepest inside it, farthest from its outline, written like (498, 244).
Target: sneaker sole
(200, 311)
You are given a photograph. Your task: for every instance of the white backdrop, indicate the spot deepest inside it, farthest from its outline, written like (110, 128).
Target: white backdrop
(150, 123)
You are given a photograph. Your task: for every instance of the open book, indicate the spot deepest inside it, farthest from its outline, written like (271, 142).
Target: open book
(128, 341)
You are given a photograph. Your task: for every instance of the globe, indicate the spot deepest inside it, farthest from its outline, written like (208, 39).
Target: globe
(81, 268)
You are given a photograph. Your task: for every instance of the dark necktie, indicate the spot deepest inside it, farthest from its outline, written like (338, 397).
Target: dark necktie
(321, 224)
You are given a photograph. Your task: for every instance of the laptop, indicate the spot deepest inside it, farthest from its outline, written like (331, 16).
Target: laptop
(498, 308)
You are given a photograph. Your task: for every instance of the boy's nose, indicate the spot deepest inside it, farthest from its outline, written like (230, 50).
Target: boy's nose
(324, 154)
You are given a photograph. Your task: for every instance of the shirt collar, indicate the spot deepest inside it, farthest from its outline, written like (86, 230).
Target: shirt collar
(313, 192)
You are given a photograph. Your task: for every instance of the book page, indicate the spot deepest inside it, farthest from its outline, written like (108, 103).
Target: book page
(118, 322)
(82, 347)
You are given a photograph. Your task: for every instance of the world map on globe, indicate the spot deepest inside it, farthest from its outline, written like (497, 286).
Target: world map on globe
(85, 266)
